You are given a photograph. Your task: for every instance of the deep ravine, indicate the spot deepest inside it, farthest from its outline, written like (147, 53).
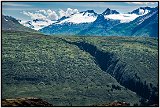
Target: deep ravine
(109, 62)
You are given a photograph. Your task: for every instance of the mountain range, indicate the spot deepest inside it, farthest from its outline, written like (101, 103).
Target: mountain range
(140, 22)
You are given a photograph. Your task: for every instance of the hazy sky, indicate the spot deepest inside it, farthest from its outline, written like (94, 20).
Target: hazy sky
(28, 10)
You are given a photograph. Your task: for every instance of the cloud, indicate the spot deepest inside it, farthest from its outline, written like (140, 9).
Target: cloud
(42, 11)
(62, 13)
(42, 15)
(140, 3)
(68, 12)
(49, 14)
(52, 15)
(71, 11)
(34, 15)
(15, 4)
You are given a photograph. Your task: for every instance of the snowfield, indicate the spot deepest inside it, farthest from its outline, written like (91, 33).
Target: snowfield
(36, 25)
(124, 18)
(80, 18)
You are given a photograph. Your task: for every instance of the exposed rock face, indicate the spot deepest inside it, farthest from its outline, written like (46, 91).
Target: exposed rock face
(22, 102)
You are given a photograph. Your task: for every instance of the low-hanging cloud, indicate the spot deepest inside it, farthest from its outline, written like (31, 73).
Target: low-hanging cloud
(35, 15)
(71, 11)
(68, 12)
(50, 14)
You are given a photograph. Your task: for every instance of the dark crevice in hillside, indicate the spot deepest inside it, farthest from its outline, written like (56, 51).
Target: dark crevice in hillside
(102, 59)
(111, 64)
(107, 61)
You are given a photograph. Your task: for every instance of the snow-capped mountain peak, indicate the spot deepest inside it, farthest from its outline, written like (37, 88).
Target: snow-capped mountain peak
(89, 13)
(77, 18)
(81, 17)
(130, 16)
(147, 16)
(141, 11)
(109, 11)
(36, 24)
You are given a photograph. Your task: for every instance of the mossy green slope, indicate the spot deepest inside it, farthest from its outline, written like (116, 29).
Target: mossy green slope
(46, 67)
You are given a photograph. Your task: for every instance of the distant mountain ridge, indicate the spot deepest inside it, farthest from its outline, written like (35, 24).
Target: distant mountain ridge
(110, 23)
(10, 23)
(36, 24)
(89, 12)
(146, 25)
(99, 27)
(142, 10)
(109, 11)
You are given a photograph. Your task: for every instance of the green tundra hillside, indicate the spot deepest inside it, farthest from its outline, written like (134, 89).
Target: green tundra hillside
(80, 71)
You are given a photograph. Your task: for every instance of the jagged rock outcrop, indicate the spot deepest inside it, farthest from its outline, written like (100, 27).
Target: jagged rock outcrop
(23, 102)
